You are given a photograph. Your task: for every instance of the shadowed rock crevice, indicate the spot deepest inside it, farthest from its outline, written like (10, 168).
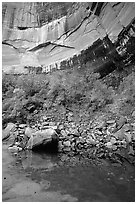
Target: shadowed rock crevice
(22, 28)
(49, 147)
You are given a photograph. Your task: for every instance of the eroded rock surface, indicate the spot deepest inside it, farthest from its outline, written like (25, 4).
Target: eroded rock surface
(77, 31)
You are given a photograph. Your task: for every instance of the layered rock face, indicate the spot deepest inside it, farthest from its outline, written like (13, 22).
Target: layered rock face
(28, 41)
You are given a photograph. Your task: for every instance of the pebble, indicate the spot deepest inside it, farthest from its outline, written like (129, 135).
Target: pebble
(61, 127)
(44, 118)
(45, 124)
(127, 127)
(121, 122)
(90, 141)
(133, 114)
(113, 140)
(114, 147)
(22, 125)
(63, 133)
(108, 145)
(22, 135)
(14, 148)
(101, 125)
(110, 121)
(67, 144)
(67, 149)
(128, 137)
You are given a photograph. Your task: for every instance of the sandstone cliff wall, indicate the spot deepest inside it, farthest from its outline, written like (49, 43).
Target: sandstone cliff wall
(92, 21)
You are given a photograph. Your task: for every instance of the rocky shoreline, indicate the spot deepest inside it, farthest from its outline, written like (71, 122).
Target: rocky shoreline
(112, 139)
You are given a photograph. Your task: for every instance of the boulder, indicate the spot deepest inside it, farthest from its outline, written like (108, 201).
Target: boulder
(42, 137)
(6, 132)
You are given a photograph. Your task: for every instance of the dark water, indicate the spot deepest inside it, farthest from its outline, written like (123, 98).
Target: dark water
(38, 177)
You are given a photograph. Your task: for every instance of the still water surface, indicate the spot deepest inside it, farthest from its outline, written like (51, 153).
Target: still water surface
(40, 177)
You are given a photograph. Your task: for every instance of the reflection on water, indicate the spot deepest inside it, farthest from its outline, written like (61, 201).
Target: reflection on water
(30, 176)
(34, 160)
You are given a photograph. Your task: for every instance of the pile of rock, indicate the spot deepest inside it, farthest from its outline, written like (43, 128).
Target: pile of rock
(26, 137)
(99, 138)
